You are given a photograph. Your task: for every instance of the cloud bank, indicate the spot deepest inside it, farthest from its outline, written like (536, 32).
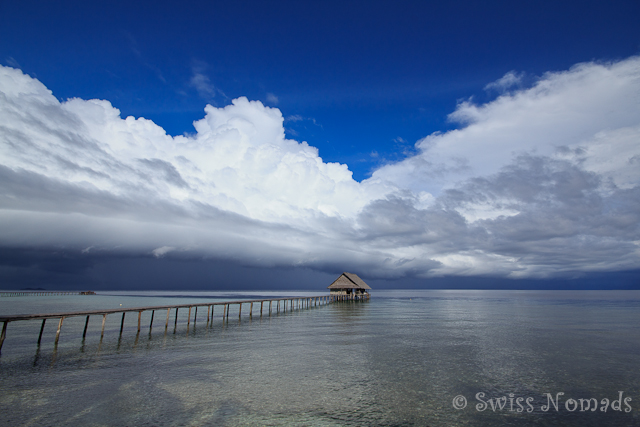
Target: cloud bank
(540, 182)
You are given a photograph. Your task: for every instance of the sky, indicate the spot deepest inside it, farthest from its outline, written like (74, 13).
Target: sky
(273, 145)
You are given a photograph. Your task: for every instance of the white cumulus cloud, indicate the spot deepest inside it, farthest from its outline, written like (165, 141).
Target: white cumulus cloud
(569, 109)
(541, 182)
(506, 82)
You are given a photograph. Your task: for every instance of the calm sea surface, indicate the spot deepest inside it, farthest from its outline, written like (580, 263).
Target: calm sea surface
(401, 359)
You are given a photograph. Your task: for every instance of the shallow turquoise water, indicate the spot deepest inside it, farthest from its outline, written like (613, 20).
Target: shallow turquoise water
(396, 360)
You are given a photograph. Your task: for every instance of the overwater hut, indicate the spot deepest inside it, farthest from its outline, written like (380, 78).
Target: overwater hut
(349, 284)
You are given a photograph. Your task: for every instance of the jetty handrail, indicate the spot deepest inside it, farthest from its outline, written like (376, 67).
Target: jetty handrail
(293, 303)
(17, 317)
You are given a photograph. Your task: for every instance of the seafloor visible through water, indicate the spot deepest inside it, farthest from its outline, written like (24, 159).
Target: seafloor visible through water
(400, 359)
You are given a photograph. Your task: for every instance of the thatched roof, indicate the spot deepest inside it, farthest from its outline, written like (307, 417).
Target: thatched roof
(348, 281)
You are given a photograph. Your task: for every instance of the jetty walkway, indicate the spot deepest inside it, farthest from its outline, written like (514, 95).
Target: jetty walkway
(275, 305)
(42, 293)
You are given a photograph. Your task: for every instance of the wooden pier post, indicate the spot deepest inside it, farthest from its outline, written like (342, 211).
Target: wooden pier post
(195, 316)
(189, 317)
(166, 325)
(261, 302)
(59, 327)
(240, 311)
(139, 318)
(41, 330)
(104, 317)
(251, 310)
(3, 334)
(175, 325)
(269, 308)
(86, 323)
(122, 323)
(151, 323)
(208, 309)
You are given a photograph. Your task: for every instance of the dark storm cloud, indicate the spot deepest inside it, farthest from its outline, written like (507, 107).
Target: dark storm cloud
(568, 219)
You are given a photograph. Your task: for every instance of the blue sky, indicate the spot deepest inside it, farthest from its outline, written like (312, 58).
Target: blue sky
(363, 77)
(406, 96)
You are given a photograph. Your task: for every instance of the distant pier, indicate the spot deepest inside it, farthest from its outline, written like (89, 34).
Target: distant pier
(275, 305)
(42, 293)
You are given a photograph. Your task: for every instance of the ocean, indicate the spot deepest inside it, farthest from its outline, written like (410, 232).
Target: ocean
(403, 358)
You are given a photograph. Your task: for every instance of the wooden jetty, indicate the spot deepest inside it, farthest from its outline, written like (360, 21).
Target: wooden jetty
(275, 304)
(42, 293)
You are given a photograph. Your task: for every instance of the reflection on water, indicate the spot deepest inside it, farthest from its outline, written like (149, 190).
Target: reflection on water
(397, 360)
